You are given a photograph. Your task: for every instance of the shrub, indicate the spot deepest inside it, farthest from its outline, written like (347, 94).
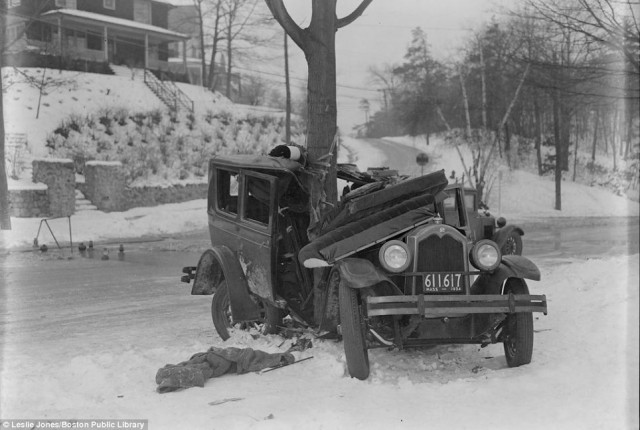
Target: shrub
(155, 143)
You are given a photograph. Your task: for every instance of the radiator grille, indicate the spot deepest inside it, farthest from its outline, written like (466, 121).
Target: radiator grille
(441, 254)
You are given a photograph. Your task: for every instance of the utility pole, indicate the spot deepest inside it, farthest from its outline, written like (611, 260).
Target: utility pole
(287, 91)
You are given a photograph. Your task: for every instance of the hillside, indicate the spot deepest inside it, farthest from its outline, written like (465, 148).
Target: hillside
(77, 105)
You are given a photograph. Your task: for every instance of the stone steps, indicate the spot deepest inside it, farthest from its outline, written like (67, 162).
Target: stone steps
(82, 204)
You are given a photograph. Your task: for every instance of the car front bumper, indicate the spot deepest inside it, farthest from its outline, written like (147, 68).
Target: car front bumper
(450, 305)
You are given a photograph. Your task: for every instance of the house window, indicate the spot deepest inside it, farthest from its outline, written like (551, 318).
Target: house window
(109, 4)
(67, 4)
(94, 42)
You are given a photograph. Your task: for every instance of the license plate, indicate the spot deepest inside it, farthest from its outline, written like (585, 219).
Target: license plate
(442, 282)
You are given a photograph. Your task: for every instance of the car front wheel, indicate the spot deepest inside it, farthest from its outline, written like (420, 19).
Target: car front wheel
(518, 329)
(353, 332)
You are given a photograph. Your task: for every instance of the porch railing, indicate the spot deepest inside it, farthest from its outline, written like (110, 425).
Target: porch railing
(168, 92)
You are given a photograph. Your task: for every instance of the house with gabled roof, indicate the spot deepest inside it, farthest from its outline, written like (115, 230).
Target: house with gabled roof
(128, 32)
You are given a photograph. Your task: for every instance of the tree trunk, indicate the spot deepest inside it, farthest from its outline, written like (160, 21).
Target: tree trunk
(287, 86)
(484, 88)
(5, 219)
(321, 87)
(212, 66)
(595, 135)
(565, 135)
(203, 57)
(558, 145)
(507, 144)
(575, 160)
(536, 107)
(465, 100)
(228, 86)
(214, 49)
(613, 143)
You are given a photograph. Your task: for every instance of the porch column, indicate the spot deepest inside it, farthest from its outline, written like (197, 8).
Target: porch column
(184, 55)
(105, 43)
(146, 50)
(60, 35)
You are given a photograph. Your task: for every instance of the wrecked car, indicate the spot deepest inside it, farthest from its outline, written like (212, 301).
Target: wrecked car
(479, 223)
(397, 263)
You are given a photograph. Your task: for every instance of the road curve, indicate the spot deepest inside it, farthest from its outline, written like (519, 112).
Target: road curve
(399, 157)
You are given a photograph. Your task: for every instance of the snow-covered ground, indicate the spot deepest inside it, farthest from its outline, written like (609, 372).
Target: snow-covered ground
(584, 373)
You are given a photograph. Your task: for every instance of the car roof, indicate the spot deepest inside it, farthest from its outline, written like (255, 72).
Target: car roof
(257, 162)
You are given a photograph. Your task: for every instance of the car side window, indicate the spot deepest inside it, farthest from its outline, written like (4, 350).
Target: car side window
(470, 201)
(227, 191)
(451, 211)
(257, 199)
(454, 209)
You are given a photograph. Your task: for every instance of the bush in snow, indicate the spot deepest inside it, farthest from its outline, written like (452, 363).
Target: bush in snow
(171, 146)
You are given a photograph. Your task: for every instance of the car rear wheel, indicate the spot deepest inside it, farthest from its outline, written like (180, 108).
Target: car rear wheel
(518, 329)
(512, 245)
(270, 316)
(353, 332)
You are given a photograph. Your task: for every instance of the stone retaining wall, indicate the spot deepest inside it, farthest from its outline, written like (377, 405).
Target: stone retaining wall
(29, 202)
(105, 187)
(60, 178)
(53, 192)
(153, 196)
(104, 184)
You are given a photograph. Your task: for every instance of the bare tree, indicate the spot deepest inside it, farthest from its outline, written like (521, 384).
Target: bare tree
(203, 58)
(216, 38)
(317, 41)
(239, 16)
(385, 78)
(45, 84)
(611, 23)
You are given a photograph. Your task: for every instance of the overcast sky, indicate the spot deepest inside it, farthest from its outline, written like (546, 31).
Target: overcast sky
(381, 35)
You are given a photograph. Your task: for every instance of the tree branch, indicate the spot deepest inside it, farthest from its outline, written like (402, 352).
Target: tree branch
(293, 30)
(342, 22)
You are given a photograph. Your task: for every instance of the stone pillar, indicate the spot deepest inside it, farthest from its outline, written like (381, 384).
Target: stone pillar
(60, 178)
(104, 184)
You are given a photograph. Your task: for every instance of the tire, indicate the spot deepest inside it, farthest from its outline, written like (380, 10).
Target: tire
(512, 244)
(221, 311)
(518, 329)
(353, 332)
(270, 316)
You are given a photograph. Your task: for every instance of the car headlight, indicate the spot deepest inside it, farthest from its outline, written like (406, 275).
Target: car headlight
(395, 256)
(485, 255)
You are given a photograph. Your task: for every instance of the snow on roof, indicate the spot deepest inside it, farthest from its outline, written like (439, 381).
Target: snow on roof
(96, 17)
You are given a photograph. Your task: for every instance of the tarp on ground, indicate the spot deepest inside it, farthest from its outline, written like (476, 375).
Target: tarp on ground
(216, 362)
